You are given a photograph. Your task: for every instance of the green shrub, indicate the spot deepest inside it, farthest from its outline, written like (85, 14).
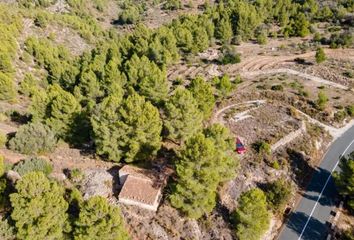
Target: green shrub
(278, 193)
(251, 216)
(6, 230)
(347, 235)
(229, 55)
(224, 84)
(33, 165)
(344, 40)
(277, 87)
(2, 166)
(35, 3)
(320, 55)
(28, 85)
(7, 87)
(340, 115)
(349, 74)
(231, 58)
(76, 175)
(317, 37)
(262, 38)
(275, 165)
(3, 140)
(262, 147)
(33, 138)
(172, 5)
(304, 93)
(350, 110)
(41, 20)
(322, 100)
(129, 15)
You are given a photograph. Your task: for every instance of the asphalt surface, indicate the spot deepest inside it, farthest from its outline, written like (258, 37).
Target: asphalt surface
(309, 221)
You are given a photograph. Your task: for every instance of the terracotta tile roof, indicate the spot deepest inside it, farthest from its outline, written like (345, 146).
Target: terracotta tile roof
(140, 190)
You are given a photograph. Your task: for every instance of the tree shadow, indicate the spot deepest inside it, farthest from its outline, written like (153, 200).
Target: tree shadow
(314, 230)
(329, 196)
(311, 180)
(301, 61)
(20, 118)
(116, 184)
(301, 167)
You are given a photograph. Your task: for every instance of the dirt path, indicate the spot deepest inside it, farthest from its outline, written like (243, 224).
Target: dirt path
(217, 115)
(293, 72)
(6, 129)
(255, 63)
(261, 65)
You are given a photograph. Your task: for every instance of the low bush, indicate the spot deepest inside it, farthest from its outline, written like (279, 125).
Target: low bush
(229, 55)
(6, 230)
(76, 175)
(33, 138)
(320, 55)
(262, 38)
(129, 15)
(33, 165)
(350, 110)
(172, 5)
(262, 147)
(278, 193)
(340, 115)
(3, 140)
(344, 40)
(277, 88)
(349, 74)
(321, 101)
(7, 87)
(2, 165)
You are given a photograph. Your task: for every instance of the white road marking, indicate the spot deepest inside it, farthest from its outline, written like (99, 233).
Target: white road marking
(324, 187)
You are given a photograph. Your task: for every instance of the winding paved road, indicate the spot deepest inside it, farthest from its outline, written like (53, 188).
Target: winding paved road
(309, 219)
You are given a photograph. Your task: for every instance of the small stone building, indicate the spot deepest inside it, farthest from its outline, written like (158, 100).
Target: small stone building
(141, 187)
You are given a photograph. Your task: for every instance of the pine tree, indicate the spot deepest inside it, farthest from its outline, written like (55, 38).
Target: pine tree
(6, 231)
(204, 162)
(128, 129)
(39, 208)
(182, 115)
(301, 25)
(163, 47)
(7, 87)
(278, 194)
(202, 91)
(195, 192)
(89, 86)
(62, 110)
(224, 85)
(147, 78)
(224, 30)
(184, 39)
(251, 215)
(344, 179)
(246, 19)
(99, 220)
(201, 39)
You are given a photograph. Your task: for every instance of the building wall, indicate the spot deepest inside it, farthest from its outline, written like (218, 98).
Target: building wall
(139, 204)
(122, 177)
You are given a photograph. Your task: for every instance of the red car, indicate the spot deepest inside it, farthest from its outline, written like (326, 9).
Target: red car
(240, 148)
